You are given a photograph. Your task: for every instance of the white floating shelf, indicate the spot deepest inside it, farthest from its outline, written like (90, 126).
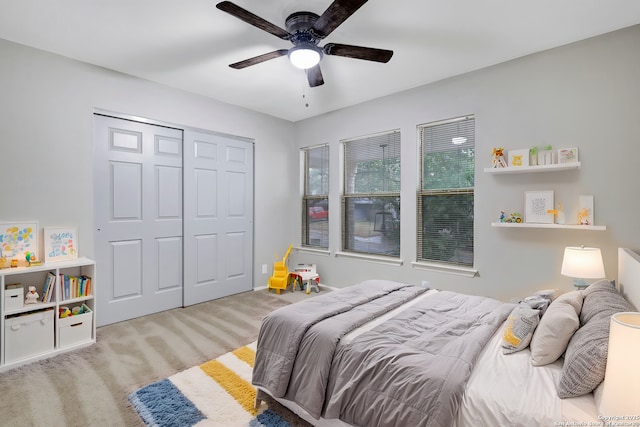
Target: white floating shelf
(530, 169)
(557, 226)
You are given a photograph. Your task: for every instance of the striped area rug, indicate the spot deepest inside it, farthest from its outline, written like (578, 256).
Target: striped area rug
(216, 393)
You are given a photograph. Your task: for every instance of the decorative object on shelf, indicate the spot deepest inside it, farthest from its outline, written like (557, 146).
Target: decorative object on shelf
(518, 158)
(60, 243)
(18, 238)
(567, 155)
(533, 156)
(32, 296)
(558, 214)
(585, 210)
(514, 217)
(582, 263)
(64, 312)
(3, 260)
(545, 156)
(30, 257)
(497, 158)
(537, 205)
(502, 217)
(622, 376)
(14, 263)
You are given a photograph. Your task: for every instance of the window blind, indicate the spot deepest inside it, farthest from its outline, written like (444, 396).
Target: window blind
(315, 202)
(371, 197)
(446, 197)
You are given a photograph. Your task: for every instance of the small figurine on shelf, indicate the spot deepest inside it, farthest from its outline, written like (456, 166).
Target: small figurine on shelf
(32, 296)
(31, 258)
(558, 214)
(514, 217)
(497, 158)
(501, 216)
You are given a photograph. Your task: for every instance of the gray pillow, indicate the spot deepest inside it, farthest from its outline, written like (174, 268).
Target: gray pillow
(586, 358)
(556, 328)
(519, 328)
(602, 299)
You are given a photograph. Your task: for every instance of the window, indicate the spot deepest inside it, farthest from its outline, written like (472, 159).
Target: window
(371, 198)
(315, 202)
(446, 195)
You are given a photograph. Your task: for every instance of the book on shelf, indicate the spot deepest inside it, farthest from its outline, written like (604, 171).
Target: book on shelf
(49, 287)
(75, 286)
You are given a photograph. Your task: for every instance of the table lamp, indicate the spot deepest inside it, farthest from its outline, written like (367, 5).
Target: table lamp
(622, 377)
(582, 263)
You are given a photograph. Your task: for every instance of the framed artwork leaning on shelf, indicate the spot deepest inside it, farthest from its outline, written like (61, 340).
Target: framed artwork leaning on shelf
(537, 206)
(567, 155)
(518, 158)
(17, 239)
(60, 243)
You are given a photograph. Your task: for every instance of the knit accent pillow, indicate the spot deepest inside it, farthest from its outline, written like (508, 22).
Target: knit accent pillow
(586, 358)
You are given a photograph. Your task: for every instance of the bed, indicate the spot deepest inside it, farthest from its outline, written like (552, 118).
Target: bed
(383, 353)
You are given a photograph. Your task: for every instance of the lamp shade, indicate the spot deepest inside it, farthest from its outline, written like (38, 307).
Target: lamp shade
(305, 56)
(585, 263)
(621, 393)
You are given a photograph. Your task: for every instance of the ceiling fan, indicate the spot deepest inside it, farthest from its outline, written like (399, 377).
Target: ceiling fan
(305, 30)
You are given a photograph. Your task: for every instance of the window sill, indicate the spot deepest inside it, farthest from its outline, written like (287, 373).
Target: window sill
(444, 268)
(371, 258)
(315, 251)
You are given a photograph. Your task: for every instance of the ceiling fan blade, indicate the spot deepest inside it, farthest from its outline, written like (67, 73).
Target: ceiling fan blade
(314, 76)
(258, 59)
(358, 52)
(255, 20)
(336, 14)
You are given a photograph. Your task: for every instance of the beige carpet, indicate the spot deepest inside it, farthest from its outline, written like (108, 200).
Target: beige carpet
(89, 387)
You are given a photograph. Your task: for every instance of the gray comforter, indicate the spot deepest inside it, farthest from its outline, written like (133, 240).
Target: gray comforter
(409, 371)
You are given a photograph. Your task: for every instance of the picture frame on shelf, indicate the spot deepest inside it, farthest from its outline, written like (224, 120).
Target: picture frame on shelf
(519, 158)
(567, 155)
(537, 206)
(585, 210)
(17, 239)
(60, 243)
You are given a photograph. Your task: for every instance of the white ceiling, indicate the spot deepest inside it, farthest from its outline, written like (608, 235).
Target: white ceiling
(188, 44)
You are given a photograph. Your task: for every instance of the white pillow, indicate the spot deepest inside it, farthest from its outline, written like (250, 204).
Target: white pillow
(556, 328)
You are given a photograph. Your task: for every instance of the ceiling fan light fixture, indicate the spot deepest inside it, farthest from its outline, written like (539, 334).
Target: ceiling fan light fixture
(305, 56)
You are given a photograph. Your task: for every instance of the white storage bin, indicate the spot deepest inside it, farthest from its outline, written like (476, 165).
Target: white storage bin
(13, 298)
(28, 335)
(75, 329)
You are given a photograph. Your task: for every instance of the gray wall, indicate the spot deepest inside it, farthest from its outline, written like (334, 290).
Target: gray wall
(584, 95)
(46, 142)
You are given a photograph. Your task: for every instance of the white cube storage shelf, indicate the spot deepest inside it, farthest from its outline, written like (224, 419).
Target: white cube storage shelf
(30, 332)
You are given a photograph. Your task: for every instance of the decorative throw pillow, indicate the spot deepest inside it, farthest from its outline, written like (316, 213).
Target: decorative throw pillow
(519, 328)
(556, 328)
(586, 358)
(602, 299)
(538, 302)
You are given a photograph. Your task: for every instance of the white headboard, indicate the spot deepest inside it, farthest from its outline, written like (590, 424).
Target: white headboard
(629, 275)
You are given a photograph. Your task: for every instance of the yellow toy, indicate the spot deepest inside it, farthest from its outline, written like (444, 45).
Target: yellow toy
(280, 277)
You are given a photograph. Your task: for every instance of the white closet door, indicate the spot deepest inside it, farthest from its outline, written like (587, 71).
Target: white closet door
(218, 212)
(138, 214)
